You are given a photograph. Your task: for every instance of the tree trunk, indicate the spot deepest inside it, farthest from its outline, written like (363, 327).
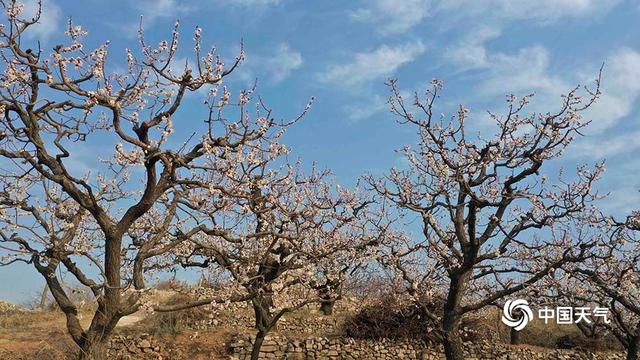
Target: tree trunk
(257, 344)
(264, 320)
(452, 341)
(93, 345)
(515, 336)
(633, 352)
(94, 348)
(326, 307)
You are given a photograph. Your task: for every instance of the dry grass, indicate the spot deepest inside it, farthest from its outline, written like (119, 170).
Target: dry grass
(42, 335)
(34, 335)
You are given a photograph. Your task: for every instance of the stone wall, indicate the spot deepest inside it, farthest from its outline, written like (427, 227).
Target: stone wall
(140, 346)
(316, 348)
(277, 347)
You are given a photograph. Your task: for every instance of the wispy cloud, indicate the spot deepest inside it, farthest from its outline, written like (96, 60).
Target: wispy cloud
(541, 11)
(620, 89)
(523, 71)
(520, 72)
(470, 51)
(606, 146)
(276, 65)
(49, 22)
(361, 110)
(251, 3)
(374, 65)
(624, 186)
(392, 17)
(283, 62)
(153, 11)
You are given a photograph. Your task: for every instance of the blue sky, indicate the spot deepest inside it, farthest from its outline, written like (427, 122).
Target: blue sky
(341, 52)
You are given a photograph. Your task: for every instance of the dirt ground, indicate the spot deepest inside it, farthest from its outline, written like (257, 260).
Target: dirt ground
(41, 335)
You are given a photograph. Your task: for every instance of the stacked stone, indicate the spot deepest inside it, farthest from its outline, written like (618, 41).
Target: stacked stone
(323, 348)
(316, 348)
(142, 346)
(486, 350)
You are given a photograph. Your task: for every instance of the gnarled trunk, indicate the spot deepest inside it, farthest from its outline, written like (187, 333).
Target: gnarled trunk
(257, 344)
(514, 335)
(633, 350)
(452, 340)
(94, 347)
(94, 342)
(264, 321)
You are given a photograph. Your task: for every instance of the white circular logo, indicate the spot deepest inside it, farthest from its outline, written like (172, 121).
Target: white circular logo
(516, 314)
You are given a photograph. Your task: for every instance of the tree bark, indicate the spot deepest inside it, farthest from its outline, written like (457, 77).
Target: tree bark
(263, 320)
(257, 344)
(452, 341)
(94, 348)
(514, 336)
(633, 351)
(93, 345)
(326, 307)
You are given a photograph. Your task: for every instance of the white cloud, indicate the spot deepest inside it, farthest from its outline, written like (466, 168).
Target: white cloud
(180, 64)
(605, 147)
(542, 11)
(252, 3)
(379, 63)
(365, 109)
(623, 186)
(154, 10)
(283, 62)
(276, 66)
(470, 52)
(523, 71)
(620, 89)
(528, 70)
(394, 17)
(49, 20)
(391, 16)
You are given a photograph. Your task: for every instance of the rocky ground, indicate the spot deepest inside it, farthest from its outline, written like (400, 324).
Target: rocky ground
(213, 334)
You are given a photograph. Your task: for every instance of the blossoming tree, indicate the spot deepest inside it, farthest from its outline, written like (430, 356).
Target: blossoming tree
(109, 225)
(610, 278)
(492, 223)
(275, 231)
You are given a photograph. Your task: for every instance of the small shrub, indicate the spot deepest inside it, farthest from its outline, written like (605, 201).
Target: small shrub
(174, 322)
(390, 317)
